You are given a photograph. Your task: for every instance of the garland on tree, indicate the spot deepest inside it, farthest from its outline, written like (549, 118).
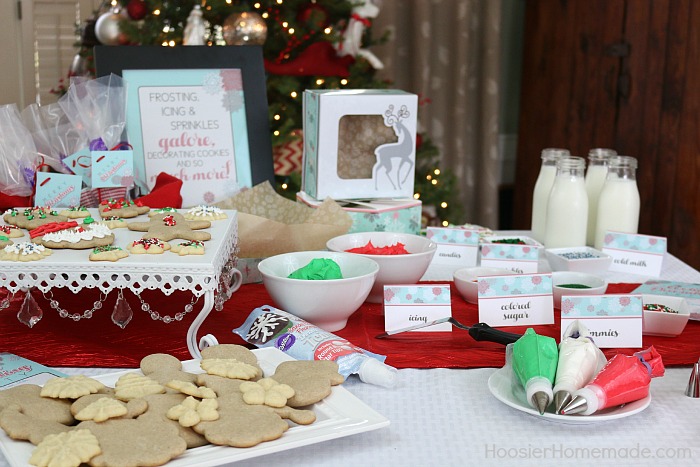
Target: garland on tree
(301, 40)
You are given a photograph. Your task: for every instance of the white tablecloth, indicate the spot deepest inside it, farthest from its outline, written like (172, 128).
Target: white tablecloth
(449, 417)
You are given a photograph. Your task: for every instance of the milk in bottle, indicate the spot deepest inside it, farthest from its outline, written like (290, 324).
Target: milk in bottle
(619, 203)
(567, 208)
(596, 172)
(543, 185)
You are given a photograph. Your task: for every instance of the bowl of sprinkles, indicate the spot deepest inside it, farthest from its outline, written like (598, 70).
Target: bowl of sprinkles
(402, 258)
(565, 283)
(512, 240)
(664, 315)
(579, 259)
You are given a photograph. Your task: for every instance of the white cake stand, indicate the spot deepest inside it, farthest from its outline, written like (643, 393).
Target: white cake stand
(211, 275)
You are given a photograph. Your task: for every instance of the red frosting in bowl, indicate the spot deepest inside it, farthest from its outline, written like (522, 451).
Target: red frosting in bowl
(369, 249)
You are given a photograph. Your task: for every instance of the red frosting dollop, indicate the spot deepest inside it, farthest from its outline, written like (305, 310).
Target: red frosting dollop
(369, 249)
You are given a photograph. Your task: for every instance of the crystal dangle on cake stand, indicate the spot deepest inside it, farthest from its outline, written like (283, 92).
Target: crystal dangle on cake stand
(122, 314)
(30, 312)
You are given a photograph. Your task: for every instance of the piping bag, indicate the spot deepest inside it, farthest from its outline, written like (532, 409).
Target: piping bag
(579, 361)
(625, 378)
(267, 326)
(535, 364)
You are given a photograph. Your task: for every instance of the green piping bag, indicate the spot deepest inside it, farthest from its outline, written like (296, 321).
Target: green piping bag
(535, 360)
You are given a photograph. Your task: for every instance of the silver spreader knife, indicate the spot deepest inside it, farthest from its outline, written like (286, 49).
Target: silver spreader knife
(478, 332)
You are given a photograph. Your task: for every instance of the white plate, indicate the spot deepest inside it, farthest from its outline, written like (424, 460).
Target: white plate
(338, 415)
(500, 386)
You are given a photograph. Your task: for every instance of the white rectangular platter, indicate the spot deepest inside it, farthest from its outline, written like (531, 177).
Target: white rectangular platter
(338, 415)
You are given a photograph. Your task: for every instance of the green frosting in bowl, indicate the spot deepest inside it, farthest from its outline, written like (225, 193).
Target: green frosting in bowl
(318, 269)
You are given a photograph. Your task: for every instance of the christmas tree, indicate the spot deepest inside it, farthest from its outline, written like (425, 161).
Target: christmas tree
(304, 47)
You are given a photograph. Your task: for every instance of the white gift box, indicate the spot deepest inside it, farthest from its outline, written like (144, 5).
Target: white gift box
(359, 143)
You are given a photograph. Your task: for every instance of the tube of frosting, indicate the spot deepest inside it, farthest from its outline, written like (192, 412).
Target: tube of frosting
(579, 361)
(269, 327)
(625, 378)
(535, 364)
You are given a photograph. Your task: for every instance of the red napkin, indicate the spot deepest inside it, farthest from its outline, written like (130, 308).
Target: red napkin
(8, 201)
(165, 193)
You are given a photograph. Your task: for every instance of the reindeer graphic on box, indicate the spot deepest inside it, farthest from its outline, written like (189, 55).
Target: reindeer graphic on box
(359, 144)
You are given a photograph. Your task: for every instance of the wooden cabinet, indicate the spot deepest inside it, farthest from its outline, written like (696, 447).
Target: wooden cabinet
(620, 74)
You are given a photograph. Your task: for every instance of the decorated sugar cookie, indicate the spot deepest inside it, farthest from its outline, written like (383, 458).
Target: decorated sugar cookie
(11, 231)
(24, 251)
(108, 253)
(76, 212)
(171, 226)
(115, 222)
(148, 246)
(121, 208)
(205, 213)
(158, 211)
(76, 237)
(4, 241)
(31, 218)
(192, 247)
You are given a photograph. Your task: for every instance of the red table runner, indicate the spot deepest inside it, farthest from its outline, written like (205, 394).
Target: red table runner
(97, 342)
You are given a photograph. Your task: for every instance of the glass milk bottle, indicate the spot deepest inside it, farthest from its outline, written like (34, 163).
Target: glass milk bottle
(618, 205)
(567, 208)
(543, 186)
(596, 172)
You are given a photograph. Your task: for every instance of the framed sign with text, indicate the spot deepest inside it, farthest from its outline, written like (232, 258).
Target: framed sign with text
(195, 112)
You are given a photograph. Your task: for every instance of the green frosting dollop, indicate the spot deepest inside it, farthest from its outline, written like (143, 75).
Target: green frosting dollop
(318, 269)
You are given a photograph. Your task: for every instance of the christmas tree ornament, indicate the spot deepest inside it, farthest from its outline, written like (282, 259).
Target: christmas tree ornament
(78, 66)
(137, 9)
(195, 30)
(314, 16)
(107, 27)
(246, 28)
(351, 44)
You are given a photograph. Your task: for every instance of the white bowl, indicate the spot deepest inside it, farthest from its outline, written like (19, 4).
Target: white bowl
(596, 285)
(597, 263)
(326, 303)
(466, 280)
(660, 323)
(498, 239)
(393, 269)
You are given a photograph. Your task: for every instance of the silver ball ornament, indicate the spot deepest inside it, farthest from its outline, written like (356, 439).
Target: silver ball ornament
(107, 28)
(246, 28)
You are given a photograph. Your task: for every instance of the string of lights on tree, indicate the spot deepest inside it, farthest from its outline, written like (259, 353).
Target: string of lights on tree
(299, 39)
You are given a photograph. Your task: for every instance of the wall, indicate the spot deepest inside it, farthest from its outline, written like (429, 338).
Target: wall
(10, 33)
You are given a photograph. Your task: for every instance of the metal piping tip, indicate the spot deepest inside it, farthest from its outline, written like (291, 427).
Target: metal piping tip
(561, 398)
(693, 389)
(541, 401)
(578, 405)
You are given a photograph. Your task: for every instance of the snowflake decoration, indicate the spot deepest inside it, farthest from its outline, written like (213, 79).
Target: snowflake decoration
(483, 287)
(388, 295)
(567, 306)
(265, 327)
(212, 83)
(232, 101)
(232, 80)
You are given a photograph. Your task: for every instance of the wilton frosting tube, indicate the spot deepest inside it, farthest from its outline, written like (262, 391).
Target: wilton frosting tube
(579, 361)
(535, 364)
(269, 327)
(625, 378)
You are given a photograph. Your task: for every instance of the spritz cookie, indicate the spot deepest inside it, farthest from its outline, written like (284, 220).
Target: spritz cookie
(205, 213)
(24, 251)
